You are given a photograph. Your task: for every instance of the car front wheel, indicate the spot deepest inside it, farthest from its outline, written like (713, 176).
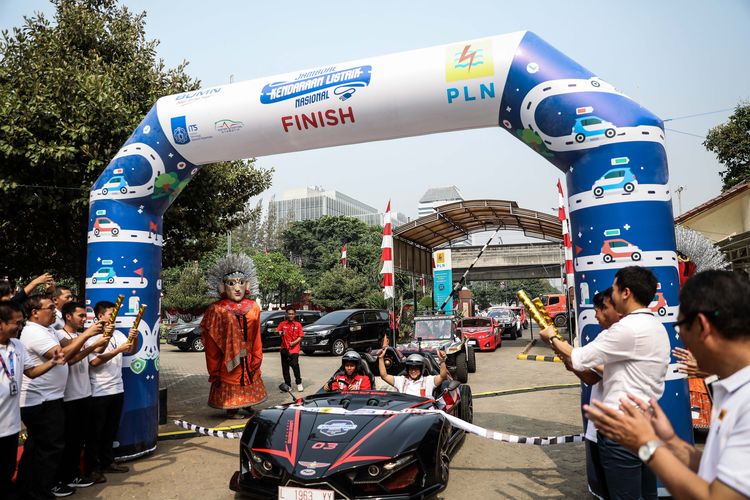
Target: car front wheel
(598, 191)
(197, 345)
(472, 359)
(607, 258)
(338, 347)
(629, 187)
(462, 368)
(580, 137)
(609, 133)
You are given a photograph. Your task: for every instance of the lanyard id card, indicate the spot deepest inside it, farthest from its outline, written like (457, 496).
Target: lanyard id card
(12, 385)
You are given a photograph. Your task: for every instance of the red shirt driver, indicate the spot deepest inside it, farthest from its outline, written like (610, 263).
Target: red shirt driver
(350, 379)
(291, 337)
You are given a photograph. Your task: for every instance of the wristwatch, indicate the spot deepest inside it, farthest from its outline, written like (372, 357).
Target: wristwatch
(647, 450)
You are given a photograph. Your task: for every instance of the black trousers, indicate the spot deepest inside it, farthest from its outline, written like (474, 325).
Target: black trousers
(292, 360)
(627, 477)
(42, 452)
(8, 452)
(76, 423)
(102, 432)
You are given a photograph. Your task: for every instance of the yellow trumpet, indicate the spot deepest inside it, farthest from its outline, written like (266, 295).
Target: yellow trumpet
(538, 312)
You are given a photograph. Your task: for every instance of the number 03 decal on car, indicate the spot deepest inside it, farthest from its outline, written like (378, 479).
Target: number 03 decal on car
(324, 446)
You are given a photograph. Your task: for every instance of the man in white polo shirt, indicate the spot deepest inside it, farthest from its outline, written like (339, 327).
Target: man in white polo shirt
(77, 398)
(60, 296)
(714, 324)
(41, 402)
(14, 362)
(635, 354)
(107, 394)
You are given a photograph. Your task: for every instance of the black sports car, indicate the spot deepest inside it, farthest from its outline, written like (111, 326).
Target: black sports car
(319, 447)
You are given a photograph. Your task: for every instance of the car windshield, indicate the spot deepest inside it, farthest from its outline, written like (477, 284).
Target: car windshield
(334, 318)
(502, 315)
(433, 328)
(475, 322)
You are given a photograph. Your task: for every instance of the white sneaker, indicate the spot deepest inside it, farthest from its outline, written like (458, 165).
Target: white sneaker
(300, 388)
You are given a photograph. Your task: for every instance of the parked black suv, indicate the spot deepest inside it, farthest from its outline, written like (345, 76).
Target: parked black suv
(269, 321)
(187, 336)
(358, 328)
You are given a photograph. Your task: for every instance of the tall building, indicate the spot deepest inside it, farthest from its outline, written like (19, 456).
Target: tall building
(435, 197)
(313, 202)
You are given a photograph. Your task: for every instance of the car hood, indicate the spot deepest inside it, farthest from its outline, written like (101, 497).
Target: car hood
(430, 344)
(184, 328)
(311, 446)
(317, 328)
(476, 331)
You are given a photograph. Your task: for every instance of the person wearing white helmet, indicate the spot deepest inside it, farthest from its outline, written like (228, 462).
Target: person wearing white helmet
(415, 382)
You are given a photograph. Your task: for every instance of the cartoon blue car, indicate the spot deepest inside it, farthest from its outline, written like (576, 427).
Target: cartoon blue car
(117, 183)
(104, 273)
(589, 126)
(617, 178)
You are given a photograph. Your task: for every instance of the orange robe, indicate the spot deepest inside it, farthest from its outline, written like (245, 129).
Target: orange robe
(234, 353)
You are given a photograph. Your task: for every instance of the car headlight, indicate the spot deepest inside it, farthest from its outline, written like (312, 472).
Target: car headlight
(377, 472)
(263, 465)
(453, 349)
(323, 332)
(487, 335)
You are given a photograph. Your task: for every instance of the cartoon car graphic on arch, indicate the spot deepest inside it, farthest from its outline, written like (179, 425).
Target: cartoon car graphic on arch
(116, 183)
(659, 304)
(615, 179)
(618, 248)
(106, 273)
(591, 126)
(105, 225)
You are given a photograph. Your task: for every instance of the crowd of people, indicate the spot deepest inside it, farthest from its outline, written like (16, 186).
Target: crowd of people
(64, 382)
(630, 439)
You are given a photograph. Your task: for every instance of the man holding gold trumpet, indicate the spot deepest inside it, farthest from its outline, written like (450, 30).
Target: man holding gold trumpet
(107, 391)
(635, 354)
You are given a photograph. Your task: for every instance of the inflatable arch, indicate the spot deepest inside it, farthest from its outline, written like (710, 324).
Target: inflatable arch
(610, 148)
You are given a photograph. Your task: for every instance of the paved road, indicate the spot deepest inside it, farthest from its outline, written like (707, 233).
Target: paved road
(201, 466)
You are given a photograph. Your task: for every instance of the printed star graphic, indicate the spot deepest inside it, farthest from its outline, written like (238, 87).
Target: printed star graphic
(135, 261)
(98, 259)
(580, 234)
(627, 227)
(587, 338)
(170, 155)
(507, 109)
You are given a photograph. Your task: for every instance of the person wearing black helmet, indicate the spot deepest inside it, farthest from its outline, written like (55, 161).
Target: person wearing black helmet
(349, 379)
(415, 382)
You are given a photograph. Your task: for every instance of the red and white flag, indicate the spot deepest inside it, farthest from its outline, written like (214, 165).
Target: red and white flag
(567, 244)
(386, 255)
(343, 255)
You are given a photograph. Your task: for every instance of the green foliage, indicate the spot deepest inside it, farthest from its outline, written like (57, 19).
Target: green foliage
(730, 142)
(489, 293)
(71, 92)
(341, 288)
(185, 288)
(376, 300)
(279, 279)
(425, 303)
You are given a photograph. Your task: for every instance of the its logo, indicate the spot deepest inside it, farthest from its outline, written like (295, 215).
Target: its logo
(179, 130)
(336, 427)
(227, 126)
(471, 60)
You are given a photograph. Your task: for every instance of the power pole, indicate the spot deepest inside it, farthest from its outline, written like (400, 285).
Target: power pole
(679, 191)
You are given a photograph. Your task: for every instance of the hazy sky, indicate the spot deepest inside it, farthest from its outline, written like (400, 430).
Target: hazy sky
(675, 58)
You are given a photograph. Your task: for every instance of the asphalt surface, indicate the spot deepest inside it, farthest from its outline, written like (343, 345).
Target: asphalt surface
(200, 467)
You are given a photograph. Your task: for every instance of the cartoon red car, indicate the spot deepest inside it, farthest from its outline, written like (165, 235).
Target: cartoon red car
(483, 333)
(620, 249)
(659, 304)
(105, 225)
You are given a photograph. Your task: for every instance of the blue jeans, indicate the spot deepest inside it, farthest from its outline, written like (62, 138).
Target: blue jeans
(627, 477)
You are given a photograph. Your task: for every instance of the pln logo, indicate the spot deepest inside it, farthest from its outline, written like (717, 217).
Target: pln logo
(469, 60)
(440, 258)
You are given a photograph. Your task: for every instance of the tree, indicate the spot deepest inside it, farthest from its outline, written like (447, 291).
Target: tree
(730, 142)
(341, 288)
(491, 293)
(278, 278)
(71, 92)
(185, 288)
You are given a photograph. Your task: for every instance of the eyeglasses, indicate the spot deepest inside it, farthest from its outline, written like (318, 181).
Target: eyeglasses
(687, 320)
(50, 307)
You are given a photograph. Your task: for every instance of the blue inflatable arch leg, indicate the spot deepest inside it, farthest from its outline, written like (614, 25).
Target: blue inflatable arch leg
(610, 148)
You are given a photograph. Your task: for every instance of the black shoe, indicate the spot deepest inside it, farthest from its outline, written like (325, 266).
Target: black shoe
(82, 482)
(62, 490)
(97, 477)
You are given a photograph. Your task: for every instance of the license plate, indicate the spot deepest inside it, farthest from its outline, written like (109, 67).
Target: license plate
(472, 342)
(289, 493)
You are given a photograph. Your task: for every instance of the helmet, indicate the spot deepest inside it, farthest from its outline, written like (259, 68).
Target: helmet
(352, 357)
(415, 360)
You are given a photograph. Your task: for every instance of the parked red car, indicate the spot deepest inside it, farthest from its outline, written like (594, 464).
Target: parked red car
(482, 333)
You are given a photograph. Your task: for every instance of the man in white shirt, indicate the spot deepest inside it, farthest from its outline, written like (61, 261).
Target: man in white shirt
(107, 394)
(77, 397)
(41, 402)
(60, 296)
(415, 382)
(714, 324)
(635, 354)
(14, 363)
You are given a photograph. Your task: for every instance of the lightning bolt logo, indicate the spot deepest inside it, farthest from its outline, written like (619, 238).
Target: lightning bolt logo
(468, 61)
(467, 55)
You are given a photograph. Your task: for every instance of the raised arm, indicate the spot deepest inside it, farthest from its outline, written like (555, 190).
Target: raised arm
(443, 375)
(381, 367)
